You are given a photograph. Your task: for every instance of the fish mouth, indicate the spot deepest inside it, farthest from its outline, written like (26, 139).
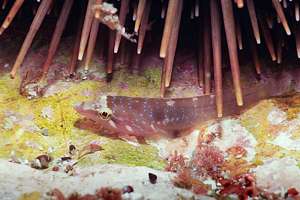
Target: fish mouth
(87, 113)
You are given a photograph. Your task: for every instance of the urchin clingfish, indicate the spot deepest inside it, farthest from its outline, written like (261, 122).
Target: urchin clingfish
(171, 117)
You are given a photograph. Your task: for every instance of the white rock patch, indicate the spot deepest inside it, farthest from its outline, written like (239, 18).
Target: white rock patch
(284, 137)
(47, 112)
(183, 145)
(59, 86)
(276, 116)
(26, 122)
(26, 180)
(234, 134)
(278, 175)
(284, 140)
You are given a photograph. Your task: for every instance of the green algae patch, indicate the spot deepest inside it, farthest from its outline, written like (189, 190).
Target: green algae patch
(153, 75)
(266, 150)
(256, 121)
(290, 104)
(26, 130)
(45, 125)
(127, 84)
(30, 196)
(120, 152)
(115, 151)
(123, 153)
(9, 88)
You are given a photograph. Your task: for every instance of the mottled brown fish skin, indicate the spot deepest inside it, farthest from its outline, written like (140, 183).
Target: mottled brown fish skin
(147, 117)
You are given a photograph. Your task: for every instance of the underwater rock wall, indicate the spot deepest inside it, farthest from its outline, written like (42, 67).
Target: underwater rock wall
(262, 138)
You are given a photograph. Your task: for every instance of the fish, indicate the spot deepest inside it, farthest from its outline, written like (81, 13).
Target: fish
(141, 117)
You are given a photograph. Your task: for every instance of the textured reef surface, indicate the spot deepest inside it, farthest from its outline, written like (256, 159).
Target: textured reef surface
(256, 153)
(39, 133)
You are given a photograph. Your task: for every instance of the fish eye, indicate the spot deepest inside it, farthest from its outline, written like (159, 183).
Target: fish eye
(105, 115)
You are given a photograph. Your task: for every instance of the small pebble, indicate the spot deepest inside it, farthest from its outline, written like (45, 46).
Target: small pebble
(127, 189)
(55, 169)
(72, 149)
(66, 158)
(45, 132)
(152, 178)
(41, 162)
(68, 168)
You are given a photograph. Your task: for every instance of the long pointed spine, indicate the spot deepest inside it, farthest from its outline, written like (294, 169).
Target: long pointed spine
(86, 29)
(123, 52)
(169, 60)
(240, 3)
(73, 62)
(297, 11)
(122, 17)
(199, 53)
(4, 3)
(207, 47)
(229, 24)
(163, 10)
(297, 36)
(197, 8)
(162, 82)
(34, 27)
(59, 29)
(92, 40)
(11, 15)
(268, 39)
(239, 34)
(253, 20)
(169, 23)
(255, 56)
(281, 16)
(110, 58)
(217, 54)
(91, 43)
(135, 65)
(139, 15)
(144, 27)
(279, 38)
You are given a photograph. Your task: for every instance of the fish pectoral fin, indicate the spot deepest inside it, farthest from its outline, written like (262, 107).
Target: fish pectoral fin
(88, 124)
(179, 133)
(141, 140)
(133, 139)
(175, 133)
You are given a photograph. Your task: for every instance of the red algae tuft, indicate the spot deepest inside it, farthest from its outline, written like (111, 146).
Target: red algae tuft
(108, 193)
(104, 193)
(176, 162)
(207, 160)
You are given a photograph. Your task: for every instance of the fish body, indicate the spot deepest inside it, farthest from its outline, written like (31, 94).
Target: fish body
(171, 117)
(145, 117)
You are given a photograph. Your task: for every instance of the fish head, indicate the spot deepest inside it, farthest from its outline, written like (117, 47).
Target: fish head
(97, 111)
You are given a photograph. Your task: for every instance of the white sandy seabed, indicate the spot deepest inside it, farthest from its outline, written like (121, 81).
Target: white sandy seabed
(16, 179)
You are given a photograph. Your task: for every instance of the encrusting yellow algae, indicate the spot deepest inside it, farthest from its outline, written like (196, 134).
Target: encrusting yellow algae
(127, 84)
(290, 104)
(30, 128)
(30, 196)
(257, 121)
(120, 152)
(45, 125)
